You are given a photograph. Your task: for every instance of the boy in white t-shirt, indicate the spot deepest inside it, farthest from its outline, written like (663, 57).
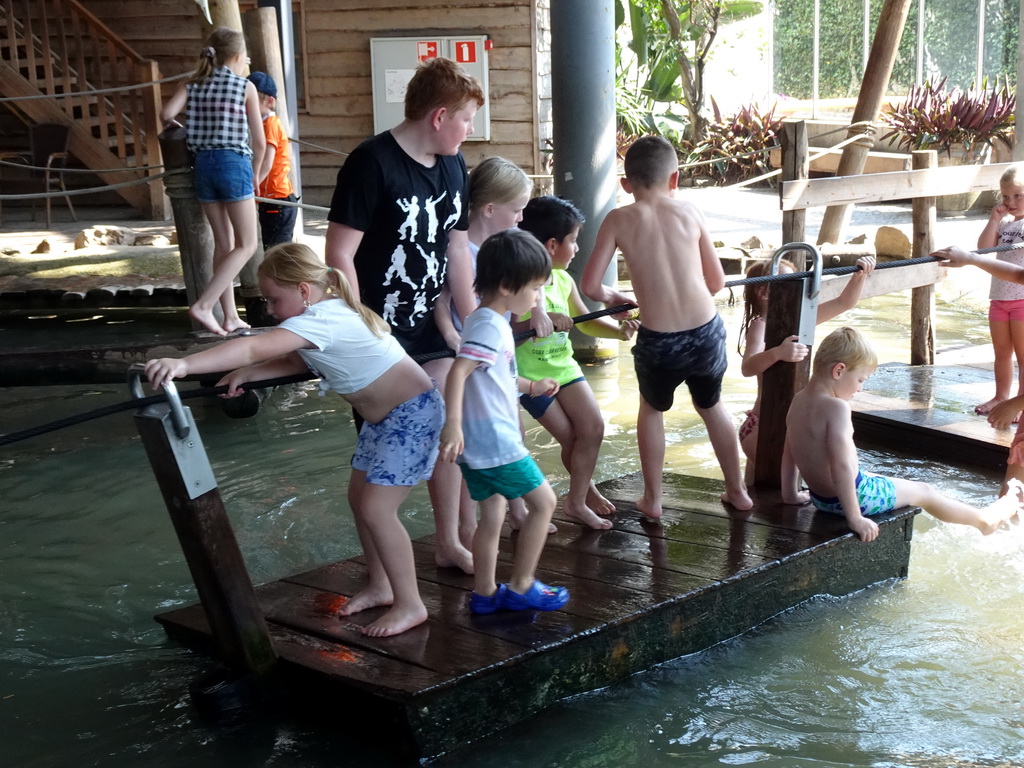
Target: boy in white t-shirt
(482, 428)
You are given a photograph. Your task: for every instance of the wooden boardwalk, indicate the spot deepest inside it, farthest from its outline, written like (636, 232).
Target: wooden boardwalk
(929, 410)
(642, 593)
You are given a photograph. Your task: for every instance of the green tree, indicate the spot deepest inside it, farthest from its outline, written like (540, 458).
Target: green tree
(672, 41)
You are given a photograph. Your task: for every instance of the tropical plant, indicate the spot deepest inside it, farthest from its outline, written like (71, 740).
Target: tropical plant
(736, 147)
(672, 40)
(933, 118)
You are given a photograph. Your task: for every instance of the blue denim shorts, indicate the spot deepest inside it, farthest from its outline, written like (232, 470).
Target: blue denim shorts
(223, 176)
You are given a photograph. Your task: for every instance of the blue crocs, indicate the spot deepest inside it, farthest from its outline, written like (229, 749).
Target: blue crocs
(487, 604)
(539, 597)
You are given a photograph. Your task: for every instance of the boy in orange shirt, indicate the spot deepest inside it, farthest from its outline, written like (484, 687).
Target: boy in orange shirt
(277, 222)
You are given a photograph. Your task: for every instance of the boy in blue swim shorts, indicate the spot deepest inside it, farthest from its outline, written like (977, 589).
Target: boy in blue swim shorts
(482, 425)
(819, 446)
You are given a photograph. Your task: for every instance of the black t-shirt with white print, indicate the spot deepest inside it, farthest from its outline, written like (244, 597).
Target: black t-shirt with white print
(405, 211)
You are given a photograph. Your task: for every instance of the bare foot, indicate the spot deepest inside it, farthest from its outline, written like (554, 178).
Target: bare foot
(738, 497)
(1006, 506)
(396, 621)
(516, 518)
(459, 557)
(206, 319)
(649, 507)
(371, 597)
(987, 406)
(584, 514)
(598, 503)
(236, 324)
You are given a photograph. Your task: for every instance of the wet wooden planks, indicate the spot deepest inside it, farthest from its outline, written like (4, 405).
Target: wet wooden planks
(642, 593)
(929, 410)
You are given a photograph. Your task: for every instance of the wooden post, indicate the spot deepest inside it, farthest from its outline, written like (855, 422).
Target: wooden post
(780, 382)
(195, 239)
(876, 80)
(156, 208)
(223, 13)
(795, 166)
(261, 34)
(922, 300)
(206, 538)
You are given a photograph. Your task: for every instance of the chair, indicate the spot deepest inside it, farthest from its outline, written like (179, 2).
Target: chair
(47, 157)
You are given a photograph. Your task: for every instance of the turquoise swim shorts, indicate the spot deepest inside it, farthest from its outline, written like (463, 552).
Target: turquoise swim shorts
(510, 480)
(875, 495)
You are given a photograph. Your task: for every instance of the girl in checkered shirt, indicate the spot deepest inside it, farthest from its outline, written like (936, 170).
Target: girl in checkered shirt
(224, 131)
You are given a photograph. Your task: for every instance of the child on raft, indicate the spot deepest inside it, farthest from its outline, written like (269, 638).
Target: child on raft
(482, 427)
(325, 329)
(757, 359)
(819, 445)
(572, 415)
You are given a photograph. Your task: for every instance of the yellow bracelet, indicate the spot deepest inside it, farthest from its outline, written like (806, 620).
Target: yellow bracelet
(531, 389)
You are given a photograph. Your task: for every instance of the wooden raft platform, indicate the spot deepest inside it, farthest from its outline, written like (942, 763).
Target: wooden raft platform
(642, 593)
(929, 410)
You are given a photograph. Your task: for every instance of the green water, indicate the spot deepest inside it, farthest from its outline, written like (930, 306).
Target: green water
(922, 672)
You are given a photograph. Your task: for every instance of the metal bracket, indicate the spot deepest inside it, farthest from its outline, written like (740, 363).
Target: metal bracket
(182, 436)
(812, 289)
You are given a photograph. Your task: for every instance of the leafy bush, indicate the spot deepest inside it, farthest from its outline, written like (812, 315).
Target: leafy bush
(933, 118)
(736, 147)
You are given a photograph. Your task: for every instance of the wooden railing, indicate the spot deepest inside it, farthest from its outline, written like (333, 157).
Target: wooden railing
(796, 194)
(59, 49)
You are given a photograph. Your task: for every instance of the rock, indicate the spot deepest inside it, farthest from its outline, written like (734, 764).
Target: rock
(160, 240)
(858, 240)
(10, 251)
(43, 247)
(893, 242)
(103, 234)
(753, 243)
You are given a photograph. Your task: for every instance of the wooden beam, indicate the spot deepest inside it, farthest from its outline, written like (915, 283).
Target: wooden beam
(884, 281)
(879, 187)
(922, 299)
(794, 168)
(888, 31)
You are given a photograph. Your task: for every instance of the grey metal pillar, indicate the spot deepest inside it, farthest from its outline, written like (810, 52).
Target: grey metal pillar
(583, 129)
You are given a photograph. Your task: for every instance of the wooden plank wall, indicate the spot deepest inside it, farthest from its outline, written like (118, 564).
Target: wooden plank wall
(338, 112)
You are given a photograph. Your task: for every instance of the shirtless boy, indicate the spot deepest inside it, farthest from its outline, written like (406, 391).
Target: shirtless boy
(675, 272)
(819, 444)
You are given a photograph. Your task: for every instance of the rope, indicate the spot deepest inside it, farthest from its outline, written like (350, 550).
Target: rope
(441, 354)
(122, 169)
(855, 268)
(292, 204)
(317, 146)
(108, 410)
(72, 94)
(89, 190)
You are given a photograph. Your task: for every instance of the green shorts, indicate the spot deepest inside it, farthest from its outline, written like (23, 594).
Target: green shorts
(509, 480)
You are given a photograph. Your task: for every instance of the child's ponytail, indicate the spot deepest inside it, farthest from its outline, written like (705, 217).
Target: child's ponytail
(222, 46)
(294, 263)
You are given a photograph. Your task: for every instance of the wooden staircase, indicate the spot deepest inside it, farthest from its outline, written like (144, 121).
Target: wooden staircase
(49, 48)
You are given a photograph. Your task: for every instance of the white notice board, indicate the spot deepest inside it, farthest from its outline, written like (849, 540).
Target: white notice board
(393, 60)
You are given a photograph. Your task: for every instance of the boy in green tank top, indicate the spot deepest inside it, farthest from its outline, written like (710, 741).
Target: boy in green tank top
(572, 415)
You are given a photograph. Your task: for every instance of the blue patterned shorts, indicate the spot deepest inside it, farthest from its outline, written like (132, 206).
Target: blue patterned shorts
(875, 495)
(402, 447)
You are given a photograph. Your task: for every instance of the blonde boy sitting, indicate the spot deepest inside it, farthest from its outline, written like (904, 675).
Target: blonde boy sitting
(819, 444)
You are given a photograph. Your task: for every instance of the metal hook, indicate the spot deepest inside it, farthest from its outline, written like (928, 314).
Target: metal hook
(815, 287)
(812, 283)
(177, 411)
